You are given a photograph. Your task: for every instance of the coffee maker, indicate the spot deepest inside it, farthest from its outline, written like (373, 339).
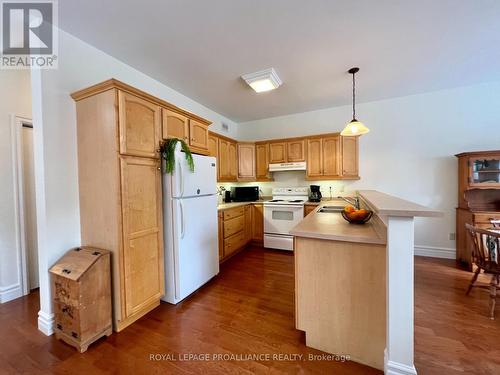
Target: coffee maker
(314, 194)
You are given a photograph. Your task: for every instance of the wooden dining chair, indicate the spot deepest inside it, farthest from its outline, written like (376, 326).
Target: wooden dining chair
(485, 255)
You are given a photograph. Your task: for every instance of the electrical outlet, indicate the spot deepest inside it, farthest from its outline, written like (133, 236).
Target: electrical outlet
(451, 237)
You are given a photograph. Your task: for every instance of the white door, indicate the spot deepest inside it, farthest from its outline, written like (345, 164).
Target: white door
(29, 207)
(203, 181)
(196, 255)
(280, 219)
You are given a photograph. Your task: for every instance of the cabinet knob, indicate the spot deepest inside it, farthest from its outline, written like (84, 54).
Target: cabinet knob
(158, 150)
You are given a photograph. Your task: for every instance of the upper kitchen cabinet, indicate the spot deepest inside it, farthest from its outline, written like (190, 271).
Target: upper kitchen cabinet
(246, 161)
(198, 137)
(331, 157)
(262, 162)
(296, 150)
(139, 125)
(350, 157)
(193, 132)
(314, 157)
(175, 125)
(228, 163)
(213, 146)
(277, 152)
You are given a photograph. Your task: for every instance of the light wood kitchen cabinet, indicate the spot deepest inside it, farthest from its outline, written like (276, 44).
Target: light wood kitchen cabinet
(314, 157)
(258, 223)
(262, 162)
(233, 235)
(228, 168)
(331, 157)
(233, 161)
(328, 159)
(191, 131)
(277, 152)
(246, 161)
(296, 150)
(248, 223)
(213, 146)
(198, 137)
(350, 157)
(141, 194)
(308, 208)
(120, 192)
(139, 125)
(175, 125)
(220, 224)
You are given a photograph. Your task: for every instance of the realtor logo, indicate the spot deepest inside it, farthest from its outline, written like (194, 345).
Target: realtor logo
(29, 34)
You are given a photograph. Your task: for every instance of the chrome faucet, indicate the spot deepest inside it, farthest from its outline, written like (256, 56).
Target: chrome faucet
(354, 201)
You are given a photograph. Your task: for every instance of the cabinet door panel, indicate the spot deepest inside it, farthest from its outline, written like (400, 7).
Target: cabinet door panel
(198, 135)
(262, 161)
(277, 152)
(258, 222)
(213, 149)
(246, 161)
(233, 161)
(223, 159)
(175, 125)
(350, 156)
(331, 156)
(139, 123)
(296, 150)
(143, 280)
(314, 157)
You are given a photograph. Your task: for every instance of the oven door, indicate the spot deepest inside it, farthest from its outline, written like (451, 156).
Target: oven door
(280, 219)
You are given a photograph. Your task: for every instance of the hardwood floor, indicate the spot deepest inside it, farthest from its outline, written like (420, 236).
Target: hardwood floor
(249, 309)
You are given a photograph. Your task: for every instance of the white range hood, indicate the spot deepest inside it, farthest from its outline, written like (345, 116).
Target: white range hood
(280, 167)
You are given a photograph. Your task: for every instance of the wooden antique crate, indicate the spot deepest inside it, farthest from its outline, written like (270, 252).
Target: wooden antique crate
(81, 293)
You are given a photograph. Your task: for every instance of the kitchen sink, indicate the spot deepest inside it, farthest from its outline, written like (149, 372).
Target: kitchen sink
(331, 209)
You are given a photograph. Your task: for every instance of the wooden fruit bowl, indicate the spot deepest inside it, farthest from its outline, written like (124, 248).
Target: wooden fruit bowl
(357, 218)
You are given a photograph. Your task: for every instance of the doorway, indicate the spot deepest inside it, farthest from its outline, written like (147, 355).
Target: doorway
(29, 205)
(26, 204)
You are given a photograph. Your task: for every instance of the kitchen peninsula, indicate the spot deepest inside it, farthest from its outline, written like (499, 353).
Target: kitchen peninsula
(354, 283)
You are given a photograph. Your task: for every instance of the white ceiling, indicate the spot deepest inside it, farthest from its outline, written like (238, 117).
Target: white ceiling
(201, 48)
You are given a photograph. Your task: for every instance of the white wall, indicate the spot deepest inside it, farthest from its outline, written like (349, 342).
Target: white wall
(15, 94)
(410, 149)
(80, 65)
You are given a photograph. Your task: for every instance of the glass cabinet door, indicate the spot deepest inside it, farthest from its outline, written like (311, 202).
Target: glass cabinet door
(484, 171)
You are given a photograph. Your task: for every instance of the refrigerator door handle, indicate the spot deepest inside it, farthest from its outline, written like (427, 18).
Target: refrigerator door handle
(182, 219)
(181, 177)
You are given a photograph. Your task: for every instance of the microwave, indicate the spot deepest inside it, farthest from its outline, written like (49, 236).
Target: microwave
(245, 193)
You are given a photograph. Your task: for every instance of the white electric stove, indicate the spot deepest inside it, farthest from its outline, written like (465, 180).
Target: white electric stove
(281, 214)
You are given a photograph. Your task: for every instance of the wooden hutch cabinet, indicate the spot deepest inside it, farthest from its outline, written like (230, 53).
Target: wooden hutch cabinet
(478, 197)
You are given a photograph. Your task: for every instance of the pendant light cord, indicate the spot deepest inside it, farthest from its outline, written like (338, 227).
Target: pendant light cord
(353, 97)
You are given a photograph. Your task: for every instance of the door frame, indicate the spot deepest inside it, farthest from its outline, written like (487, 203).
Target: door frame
(17, 123)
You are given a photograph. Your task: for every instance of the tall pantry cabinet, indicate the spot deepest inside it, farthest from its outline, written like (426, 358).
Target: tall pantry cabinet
(120, 194)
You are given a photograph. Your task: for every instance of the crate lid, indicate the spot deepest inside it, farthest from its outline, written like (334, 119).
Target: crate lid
(77, 261)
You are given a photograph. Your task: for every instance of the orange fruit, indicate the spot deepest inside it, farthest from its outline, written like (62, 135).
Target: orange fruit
(349, 209)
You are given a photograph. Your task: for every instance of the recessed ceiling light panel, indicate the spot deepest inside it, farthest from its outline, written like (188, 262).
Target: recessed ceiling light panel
(264, 80)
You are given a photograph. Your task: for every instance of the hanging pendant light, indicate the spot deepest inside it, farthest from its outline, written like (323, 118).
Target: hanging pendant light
(354, 127)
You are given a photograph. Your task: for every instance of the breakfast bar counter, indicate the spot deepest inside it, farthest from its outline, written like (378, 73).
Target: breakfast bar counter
(354, 282)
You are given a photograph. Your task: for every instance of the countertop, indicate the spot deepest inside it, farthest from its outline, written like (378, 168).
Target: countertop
(387, 205)
(225, 206)
(332, 226)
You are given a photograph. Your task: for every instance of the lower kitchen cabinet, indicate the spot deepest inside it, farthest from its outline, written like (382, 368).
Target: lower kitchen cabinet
(308, 208)
(258, 223)
(238, 227)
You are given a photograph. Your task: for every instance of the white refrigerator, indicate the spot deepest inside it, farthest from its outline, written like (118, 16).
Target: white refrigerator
(190, 226)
